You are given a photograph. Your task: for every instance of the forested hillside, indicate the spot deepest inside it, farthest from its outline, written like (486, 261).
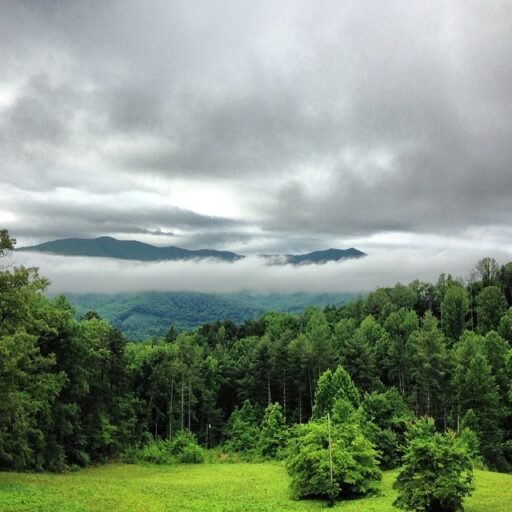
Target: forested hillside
(142, 315)
(75, 392)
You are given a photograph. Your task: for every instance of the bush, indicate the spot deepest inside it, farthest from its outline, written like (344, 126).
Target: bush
(155, 452)
(185, 448)
(191, 454)
(182, 448)
(355, 469)
(437, 472)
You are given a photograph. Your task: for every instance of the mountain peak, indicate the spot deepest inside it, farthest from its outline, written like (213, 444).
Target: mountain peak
(331, 254)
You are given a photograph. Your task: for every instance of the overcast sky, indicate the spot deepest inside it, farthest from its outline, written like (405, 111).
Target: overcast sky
(258, 126)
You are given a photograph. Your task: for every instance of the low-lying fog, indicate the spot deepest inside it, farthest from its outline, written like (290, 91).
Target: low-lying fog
(254, 274)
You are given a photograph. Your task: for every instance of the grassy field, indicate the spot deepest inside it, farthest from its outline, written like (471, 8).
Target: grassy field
(206, 487)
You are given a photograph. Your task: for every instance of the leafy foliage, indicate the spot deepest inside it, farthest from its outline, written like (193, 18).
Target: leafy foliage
(437, 472)
(332, 387)
(185, 448)
(386, 417)
(491, 305)
(182, 447)
(454, 309)
(273, 431)
(354, 463)
(242, 429)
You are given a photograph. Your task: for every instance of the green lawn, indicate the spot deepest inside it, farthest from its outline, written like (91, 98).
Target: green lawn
(205, 487)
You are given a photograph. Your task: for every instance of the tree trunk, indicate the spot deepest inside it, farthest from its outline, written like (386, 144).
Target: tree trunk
(189, 402)
(284, 393)
(182, 402)
(428, 399)
(331, 490)
(310, 392)
(171, 404)
(300, 404)
(148, 414)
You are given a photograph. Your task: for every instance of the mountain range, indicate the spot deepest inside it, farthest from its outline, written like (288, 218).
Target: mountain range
(108, 247)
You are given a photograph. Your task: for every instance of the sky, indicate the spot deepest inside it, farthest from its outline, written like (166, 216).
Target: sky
(259, 127)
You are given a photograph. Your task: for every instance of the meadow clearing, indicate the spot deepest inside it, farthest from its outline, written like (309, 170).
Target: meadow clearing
(204, 487)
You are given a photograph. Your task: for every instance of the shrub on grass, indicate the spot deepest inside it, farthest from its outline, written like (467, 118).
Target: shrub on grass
(185, 448)
(354, 463)
(437, 472)
(156, 452)
(182, 448)
(191, 454)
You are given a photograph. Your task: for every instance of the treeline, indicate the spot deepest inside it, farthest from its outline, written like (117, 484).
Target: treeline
(75, 392)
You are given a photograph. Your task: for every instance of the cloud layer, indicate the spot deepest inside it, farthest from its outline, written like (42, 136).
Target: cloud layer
(257, 127)
(254, 274)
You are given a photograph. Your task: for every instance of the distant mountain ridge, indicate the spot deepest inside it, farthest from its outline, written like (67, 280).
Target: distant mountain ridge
(108, 247)
(324, 256)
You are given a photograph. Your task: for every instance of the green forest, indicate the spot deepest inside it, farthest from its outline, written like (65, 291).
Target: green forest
(142, 315)
(407, 376)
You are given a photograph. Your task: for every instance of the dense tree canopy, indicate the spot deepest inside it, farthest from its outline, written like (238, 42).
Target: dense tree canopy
(74, 391)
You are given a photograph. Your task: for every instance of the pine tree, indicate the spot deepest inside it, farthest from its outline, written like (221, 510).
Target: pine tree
(400, 325)
(491, 305)
(477, 391)
(496, 350)
(242, 429)
(331, 387)
(360, 351)
(505, 328)
(319, 333)
(273, 431)
(454, 309)
(430, 370)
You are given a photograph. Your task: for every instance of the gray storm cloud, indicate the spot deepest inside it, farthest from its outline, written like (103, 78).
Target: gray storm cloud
(324, 121)
(104, 275)
(67, 214)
